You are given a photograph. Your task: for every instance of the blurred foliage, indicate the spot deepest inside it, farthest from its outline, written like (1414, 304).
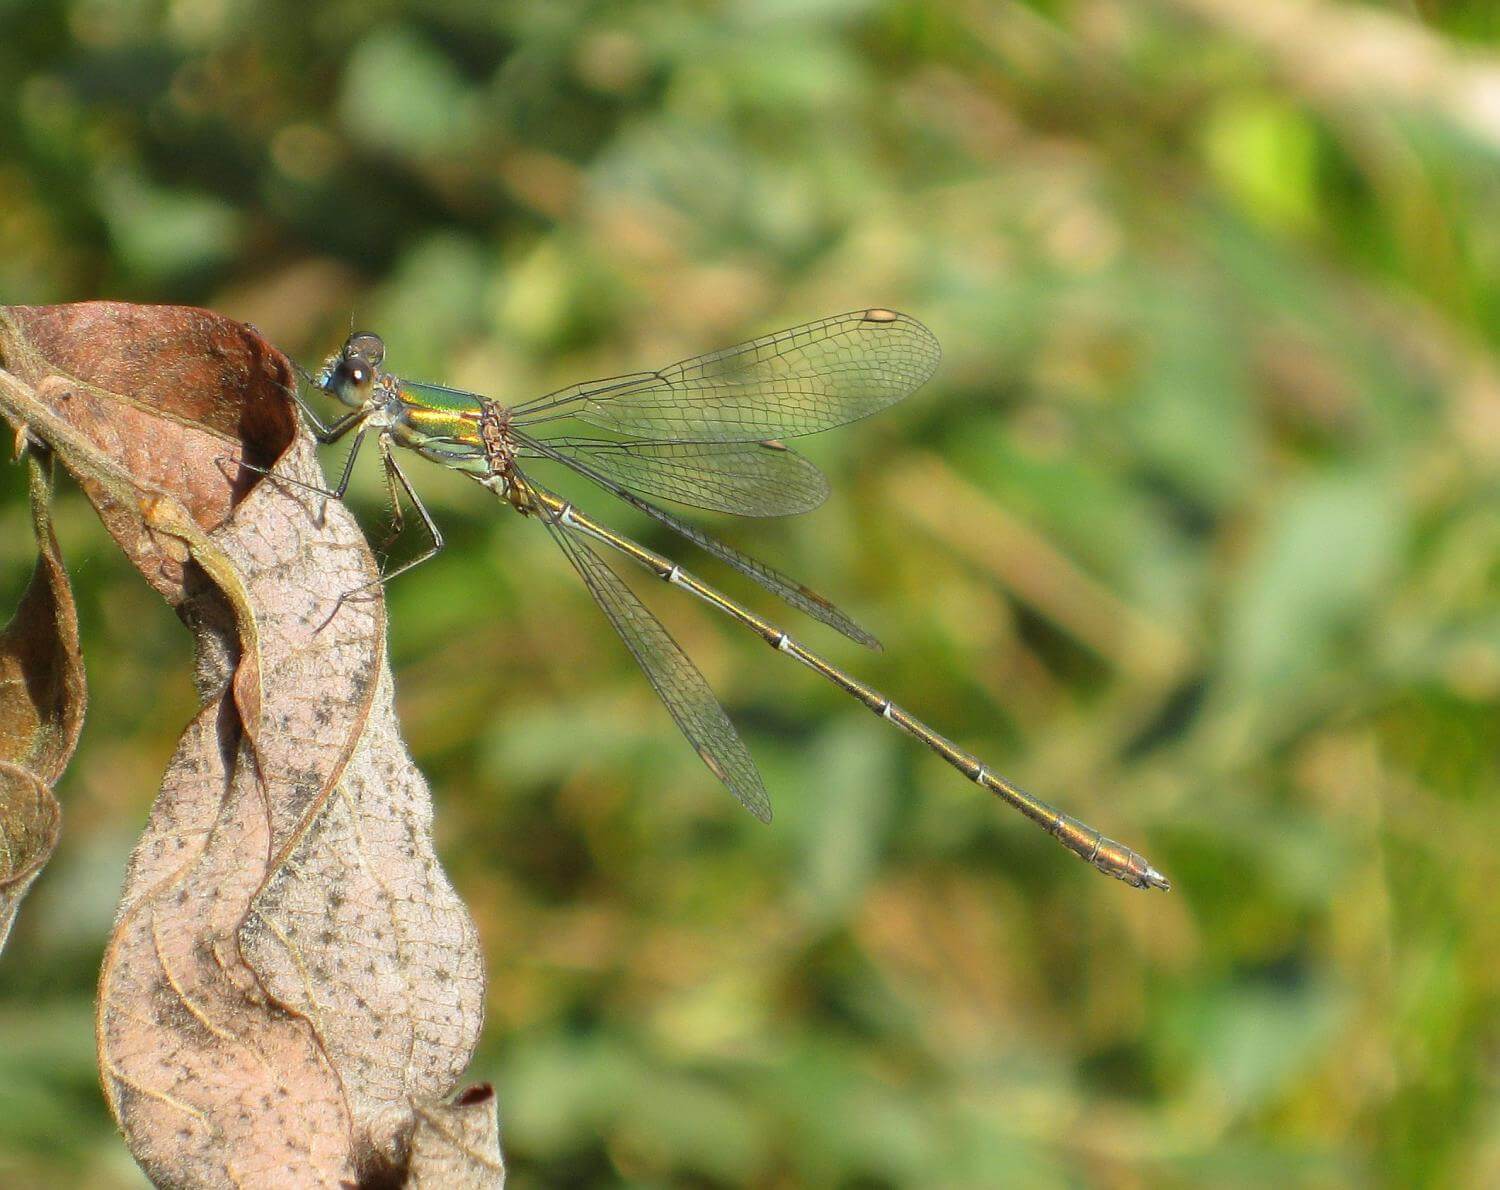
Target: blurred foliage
(1196, 534)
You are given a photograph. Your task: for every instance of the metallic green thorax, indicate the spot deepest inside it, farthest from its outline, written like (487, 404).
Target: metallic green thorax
(445, 426)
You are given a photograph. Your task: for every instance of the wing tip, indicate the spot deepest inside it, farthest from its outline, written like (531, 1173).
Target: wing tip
(840, 621)
(755, 799)
(885, 316)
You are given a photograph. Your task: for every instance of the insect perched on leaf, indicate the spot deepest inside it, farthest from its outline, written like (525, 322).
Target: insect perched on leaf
(704, 432)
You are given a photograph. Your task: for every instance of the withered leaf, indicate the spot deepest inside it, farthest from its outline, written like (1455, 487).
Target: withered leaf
(29, 821)
(291, 973)
(42, 690)
(156, 397)
(456, 1146)
(42, 697)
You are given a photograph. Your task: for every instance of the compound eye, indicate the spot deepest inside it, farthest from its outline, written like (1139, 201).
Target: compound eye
(370, 347)
(352, 379)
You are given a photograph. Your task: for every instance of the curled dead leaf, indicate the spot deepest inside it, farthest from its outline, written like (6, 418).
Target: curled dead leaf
(29, 822)
(42, 697)
(291, 975)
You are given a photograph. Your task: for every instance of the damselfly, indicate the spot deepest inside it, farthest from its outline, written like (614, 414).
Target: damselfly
(704, 432)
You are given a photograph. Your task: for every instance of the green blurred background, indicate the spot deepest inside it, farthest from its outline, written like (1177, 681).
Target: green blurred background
(1195, 533)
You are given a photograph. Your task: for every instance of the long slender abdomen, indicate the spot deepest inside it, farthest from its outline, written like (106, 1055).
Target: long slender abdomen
(1090, 845)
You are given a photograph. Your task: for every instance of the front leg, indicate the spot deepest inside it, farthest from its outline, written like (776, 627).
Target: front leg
(324, 432)
(336, 492)
(327, 432)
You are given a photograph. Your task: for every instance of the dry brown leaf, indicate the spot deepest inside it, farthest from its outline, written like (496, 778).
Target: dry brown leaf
(42, 698)
(41, 668)
(456, 1146)
(30, 819)
(156, 397)
(291, 973)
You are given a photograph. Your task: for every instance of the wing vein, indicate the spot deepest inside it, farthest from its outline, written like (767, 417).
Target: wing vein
(793, 382)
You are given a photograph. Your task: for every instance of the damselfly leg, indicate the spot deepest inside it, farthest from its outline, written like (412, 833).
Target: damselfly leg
(394, 476)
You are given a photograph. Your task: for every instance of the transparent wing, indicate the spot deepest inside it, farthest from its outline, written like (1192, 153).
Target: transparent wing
(672, 674)
(794, 382)
(804, 599)
(744, 478)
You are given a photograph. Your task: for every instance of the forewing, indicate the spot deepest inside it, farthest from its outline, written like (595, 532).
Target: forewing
(672, 674)
(793, 382)
(743, 478)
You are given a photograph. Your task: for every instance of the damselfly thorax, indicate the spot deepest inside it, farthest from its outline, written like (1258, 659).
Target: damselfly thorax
(706, 432)
(463, 431)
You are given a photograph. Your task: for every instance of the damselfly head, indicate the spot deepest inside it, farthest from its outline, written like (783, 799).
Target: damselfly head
(350, 375)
